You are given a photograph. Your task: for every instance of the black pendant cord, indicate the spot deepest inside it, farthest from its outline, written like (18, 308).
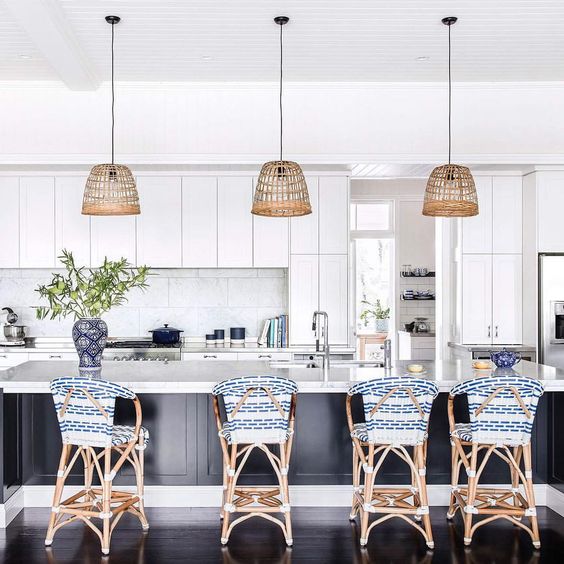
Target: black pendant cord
(449, 99)
(113, 101)
(280, 99)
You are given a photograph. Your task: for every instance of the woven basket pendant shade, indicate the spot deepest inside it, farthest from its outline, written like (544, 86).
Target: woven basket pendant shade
(450, 192)
(281, 191)
(110, 190)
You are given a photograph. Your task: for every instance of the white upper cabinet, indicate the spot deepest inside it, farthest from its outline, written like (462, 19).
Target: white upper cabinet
(271, 241)
(507, 214)
(199, 222)
(333, 295)
(304, 298)
(477, 299)
(507, 319)
(333, 214)
(477, 230)
(304, 230)
(235, 222)
(37, 222)
(72, 229)
(112, 237)
(159, 226)
(550, 202)
(10, 221)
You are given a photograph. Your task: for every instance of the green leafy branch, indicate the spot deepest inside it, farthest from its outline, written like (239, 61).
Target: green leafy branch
(375, 310)
(84, 292)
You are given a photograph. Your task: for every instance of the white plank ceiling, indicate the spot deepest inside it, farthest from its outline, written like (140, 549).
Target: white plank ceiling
(326, 40)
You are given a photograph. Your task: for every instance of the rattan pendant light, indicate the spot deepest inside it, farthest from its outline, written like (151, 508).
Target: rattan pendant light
(450, 191)
(281, 189)
(110, 188)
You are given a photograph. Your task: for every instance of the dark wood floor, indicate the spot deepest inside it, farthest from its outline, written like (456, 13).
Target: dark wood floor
(324, 535)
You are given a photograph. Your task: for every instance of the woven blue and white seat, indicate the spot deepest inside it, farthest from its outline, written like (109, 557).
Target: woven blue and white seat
(85, 411)
(501, 410)
(259, 415)
(396, 417)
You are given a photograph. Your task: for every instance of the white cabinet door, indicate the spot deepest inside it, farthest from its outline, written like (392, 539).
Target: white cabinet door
(199, 222)
(477, 230)
(159, 227)
(235, 222)
(271, 242)
(304, 297)
(304, 230)
(112, 237)
(333, 214)
(72, 229)
(37, 222)
(550, 198)
(507, 214)
(333, 296)
(507, 327)
(477, 299)
(10, 221)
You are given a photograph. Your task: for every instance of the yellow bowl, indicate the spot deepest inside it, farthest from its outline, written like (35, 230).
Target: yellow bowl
(416, 368)
(481, 365)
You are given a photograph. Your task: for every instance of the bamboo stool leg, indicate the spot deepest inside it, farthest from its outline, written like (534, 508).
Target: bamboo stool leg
(284, 490)
(223, 498)
(455, 475)
(106, 501)
(367, 496)
(58, 493)
(471, 497)
(141, 483)
(229, 494)
(356, 482)
(421, 463)
(517, 455)
(531, 494)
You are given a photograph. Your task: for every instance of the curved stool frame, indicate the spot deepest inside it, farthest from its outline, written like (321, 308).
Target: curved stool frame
(400, 501)
(255, 501)
(493, 503)
(102, 502)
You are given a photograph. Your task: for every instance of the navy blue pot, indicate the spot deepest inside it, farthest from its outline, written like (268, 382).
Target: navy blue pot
(89, 336)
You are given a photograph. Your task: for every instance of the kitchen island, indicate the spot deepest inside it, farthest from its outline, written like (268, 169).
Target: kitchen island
(183, 459)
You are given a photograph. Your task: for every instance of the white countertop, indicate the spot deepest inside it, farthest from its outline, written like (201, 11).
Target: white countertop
(200, 377)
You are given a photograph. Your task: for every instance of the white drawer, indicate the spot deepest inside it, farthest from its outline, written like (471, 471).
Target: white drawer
(53, 356)
(422, 342)
(423, 354)
(264, 356)
(211, 356)
(12, 359)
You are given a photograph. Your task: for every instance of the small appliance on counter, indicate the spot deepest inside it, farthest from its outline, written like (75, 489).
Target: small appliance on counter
(421, 325)
(12, 335)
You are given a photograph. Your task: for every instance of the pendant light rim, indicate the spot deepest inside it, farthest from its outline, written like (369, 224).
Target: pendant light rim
(281, 20)
(449, 20)
(113, 20)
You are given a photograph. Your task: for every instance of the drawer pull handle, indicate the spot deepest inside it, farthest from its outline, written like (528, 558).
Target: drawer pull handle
(3, 356)
(265, 356)
(55, 356)
(210, 356)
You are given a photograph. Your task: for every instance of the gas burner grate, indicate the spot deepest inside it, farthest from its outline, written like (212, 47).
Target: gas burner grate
(140, 345)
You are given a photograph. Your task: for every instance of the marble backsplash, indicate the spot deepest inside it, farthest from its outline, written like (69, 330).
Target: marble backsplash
(196, 300)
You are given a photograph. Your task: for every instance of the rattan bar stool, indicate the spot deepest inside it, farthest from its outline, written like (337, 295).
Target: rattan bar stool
(396, 412)
(260, 415)
(502, 411)
(85, 410)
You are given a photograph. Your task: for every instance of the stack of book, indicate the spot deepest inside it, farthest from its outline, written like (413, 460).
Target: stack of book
(274, 333)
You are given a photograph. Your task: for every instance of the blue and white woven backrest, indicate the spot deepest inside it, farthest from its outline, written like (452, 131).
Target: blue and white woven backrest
(398, 420)
(83, 421)
(258, 419)
(502, 420)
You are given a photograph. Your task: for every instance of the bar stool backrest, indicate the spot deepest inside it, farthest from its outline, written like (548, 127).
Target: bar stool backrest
(85, 409)
(258, 408)
(396, 408)
(502, 408)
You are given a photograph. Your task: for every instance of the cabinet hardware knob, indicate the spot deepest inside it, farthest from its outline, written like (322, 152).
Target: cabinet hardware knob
(489, 330)
(496, 331)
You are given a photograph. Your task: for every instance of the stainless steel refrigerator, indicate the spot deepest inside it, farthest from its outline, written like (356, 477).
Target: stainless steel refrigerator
(551, 309)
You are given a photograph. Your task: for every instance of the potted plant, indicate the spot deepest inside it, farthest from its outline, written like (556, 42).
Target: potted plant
(87, 294)
(376, 312)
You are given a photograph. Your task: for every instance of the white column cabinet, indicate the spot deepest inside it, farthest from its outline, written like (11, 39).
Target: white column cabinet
(72, 229)
(477, 299)
(199, 222)
(304, 297)
(304, 230)
(550, 203)
(507, 232)
(333, 214)
(507, 292)
(235, 222)
(159, 226)
(10, 221)
(37, 222)
(112, 237)
(333, 295)
(477, 230)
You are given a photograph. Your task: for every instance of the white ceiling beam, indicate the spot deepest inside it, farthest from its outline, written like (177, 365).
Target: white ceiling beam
(46, 25)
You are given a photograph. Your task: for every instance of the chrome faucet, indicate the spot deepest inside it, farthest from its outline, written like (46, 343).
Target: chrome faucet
(387, 353)
(325, 335)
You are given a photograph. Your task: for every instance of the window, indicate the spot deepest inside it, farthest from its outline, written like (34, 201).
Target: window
(371, 217)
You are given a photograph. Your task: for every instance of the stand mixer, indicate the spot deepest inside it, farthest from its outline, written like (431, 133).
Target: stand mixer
(8, 320)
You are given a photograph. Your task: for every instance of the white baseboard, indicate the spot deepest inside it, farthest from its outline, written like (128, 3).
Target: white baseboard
(210, 496)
